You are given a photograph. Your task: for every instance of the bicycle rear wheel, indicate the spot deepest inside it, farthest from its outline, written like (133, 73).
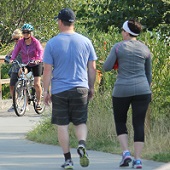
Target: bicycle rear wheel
(19, 99)
(42, 102)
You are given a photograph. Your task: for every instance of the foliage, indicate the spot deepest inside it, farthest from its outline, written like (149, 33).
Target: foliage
(162, 157)
(40, 14)
(102, 14)
(161, 75)
(95, 14)
(4, 71)
(4, 75)
(160, 61)
(5, 91)
(44, 133)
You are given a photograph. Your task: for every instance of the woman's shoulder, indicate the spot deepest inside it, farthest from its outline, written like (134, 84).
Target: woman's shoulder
(143, 45)
(35, 41)
(33, 38)
(118, 44)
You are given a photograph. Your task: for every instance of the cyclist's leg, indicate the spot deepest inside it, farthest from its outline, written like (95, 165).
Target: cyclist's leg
(13, 80)
(38, 89)
(37, 72)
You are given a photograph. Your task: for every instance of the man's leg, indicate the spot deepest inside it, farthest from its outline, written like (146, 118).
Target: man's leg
(78, 106)
(60, 118)
(81, 132)
(63, 137)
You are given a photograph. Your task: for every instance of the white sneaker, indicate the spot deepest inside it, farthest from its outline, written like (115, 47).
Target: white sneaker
(68, 164)
(11, 109)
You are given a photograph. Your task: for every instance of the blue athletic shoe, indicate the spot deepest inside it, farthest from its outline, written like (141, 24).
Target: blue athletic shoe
(137, 164)
(126, 159)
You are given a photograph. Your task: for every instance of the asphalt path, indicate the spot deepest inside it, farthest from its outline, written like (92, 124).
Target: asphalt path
(17, 153)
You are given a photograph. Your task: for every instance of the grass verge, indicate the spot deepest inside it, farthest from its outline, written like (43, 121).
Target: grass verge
(102, 134)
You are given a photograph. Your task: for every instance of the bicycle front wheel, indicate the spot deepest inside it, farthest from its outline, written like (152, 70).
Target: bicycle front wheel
(19, 99)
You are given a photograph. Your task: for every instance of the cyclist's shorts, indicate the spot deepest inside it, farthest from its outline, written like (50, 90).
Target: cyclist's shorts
(37, 70)
(13, 79)
(70, 106)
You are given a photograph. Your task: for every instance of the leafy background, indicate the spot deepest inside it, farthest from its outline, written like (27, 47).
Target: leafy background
(101, 20)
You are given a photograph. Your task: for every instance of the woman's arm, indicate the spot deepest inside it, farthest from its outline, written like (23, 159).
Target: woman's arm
(110, 60)
(40, 50)
(148, 69)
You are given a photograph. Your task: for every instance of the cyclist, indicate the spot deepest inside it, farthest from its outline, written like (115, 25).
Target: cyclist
(16, 35)
(31, 50)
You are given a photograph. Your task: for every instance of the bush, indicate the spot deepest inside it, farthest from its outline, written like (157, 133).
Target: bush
(4, 75)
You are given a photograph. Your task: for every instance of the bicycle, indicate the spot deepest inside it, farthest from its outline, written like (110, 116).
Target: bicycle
(24, 91)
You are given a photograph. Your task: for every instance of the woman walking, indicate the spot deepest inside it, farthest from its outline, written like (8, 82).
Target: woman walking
(132, 87)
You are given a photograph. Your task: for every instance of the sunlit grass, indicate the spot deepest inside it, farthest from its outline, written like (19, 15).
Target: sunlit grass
(102, 135)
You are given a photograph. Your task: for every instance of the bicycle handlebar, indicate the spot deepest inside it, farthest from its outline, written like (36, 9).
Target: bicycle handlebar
(24, 65)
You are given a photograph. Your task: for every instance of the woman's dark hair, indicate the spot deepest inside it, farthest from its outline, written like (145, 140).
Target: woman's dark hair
(134, 26)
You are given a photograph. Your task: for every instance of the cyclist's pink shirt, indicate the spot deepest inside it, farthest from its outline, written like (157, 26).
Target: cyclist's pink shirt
(34, 51)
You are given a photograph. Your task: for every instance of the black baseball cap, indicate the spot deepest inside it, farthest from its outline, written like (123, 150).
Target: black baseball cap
(67, 15)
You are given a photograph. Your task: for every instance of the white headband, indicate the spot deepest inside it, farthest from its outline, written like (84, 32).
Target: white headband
(126, 28)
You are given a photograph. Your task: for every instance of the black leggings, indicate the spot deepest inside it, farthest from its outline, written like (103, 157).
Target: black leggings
(37, 69)
(139, 105)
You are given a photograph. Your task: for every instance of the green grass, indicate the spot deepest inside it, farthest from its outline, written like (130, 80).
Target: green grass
(162, 157)
(102, 135)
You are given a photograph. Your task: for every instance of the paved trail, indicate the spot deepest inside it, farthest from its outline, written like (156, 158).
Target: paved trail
(17, 153)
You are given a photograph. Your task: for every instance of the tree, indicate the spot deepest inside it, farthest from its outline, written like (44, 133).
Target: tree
(92, 14)
(14, 13)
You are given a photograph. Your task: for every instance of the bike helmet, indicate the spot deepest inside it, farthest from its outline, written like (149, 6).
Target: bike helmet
(28, 27)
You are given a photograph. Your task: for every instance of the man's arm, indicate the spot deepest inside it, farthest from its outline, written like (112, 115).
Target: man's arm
(91, 77)
(47, 73)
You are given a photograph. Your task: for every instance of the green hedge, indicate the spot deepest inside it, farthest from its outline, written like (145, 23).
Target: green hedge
(4, 75)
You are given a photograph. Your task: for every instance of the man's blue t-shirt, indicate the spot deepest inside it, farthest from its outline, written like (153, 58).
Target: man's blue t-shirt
(69, 55)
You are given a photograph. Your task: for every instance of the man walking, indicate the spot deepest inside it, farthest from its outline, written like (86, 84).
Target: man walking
(70, 67)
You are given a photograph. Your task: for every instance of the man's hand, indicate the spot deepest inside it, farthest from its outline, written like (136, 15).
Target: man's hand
(47, 98)
(91, 93)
